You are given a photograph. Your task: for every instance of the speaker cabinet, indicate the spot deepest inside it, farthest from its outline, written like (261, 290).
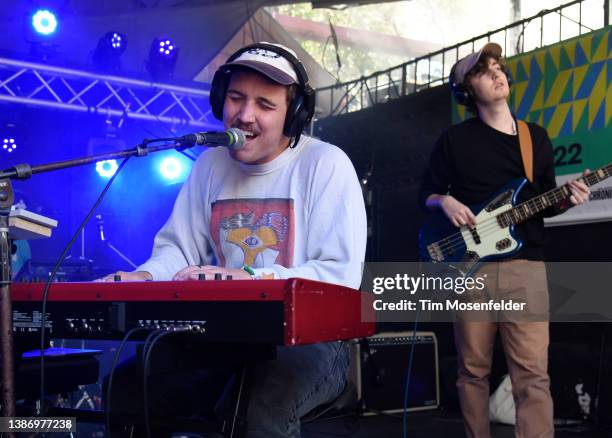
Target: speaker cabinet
(384, 366)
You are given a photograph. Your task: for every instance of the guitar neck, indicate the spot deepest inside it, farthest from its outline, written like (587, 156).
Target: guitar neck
(527, 209)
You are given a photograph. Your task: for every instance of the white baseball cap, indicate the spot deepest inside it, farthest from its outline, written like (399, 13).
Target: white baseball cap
(269, 63)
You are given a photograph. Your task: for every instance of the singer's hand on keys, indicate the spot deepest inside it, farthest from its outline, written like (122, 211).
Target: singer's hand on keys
(127, 276)
(193, 273)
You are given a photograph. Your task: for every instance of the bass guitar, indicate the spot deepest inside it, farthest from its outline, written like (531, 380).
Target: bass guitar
(494, 236)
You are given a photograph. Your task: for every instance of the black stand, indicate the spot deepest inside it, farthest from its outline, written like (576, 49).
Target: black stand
(6, 309)
(25, 171)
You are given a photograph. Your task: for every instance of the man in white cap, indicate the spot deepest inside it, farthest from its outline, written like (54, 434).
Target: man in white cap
(285, 205)
(471, 161)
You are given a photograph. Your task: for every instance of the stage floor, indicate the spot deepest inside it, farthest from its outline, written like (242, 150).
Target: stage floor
(432, 424)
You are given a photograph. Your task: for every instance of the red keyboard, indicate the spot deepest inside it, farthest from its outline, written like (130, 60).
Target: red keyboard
(279, 312)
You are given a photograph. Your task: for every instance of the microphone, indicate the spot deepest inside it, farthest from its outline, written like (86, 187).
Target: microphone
(233, 139)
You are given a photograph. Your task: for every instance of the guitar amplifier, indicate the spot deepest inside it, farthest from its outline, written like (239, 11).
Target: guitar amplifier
(383, 368)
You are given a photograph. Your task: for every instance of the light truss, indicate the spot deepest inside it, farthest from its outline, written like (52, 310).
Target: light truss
(74, 90)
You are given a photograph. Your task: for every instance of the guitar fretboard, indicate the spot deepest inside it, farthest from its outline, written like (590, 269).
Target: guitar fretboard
(527, 209)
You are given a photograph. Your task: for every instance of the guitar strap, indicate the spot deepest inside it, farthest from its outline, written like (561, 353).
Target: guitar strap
(526, 148)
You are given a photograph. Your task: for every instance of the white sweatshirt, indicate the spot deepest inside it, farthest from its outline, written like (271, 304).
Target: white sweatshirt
(299, 215)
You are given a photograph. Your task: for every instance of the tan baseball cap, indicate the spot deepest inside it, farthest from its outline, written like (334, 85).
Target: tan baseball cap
(464, 65)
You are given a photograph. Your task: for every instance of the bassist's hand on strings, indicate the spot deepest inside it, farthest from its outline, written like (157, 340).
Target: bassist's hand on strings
(459, 214)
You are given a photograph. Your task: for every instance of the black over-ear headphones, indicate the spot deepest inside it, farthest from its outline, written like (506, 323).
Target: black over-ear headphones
(462, 94)
(299, 111)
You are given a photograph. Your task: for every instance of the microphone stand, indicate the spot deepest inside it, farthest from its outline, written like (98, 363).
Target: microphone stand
(105, 241)
(22, 172)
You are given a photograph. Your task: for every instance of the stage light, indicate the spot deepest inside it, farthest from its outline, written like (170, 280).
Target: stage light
(44, 22)
(106, 168)
(166, 48)
(109, 49)
(118, 41)
(171, 168)
(9, 145)
(162, 58)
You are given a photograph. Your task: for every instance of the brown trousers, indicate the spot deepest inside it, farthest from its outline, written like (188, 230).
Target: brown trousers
(525, 345)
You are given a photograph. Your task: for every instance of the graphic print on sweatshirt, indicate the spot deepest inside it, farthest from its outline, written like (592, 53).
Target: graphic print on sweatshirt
(253, 232)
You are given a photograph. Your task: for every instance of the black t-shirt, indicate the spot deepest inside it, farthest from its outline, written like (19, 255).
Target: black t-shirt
(471, 161)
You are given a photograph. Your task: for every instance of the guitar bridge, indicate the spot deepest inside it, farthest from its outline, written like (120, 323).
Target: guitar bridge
(435, 252)
(468, 262)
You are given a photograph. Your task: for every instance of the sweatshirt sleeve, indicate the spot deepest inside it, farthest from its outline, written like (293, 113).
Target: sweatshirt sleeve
(182, 241)
(337, 226)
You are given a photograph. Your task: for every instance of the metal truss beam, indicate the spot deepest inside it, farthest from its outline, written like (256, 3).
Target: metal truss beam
(74, 90)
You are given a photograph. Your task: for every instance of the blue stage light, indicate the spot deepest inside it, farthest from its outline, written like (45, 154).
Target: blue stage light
(117, 40)
(166, 48)
(9, 145)
(171, 168)
(106, 168)
(44, 22)
(108, 51)
(162, 58)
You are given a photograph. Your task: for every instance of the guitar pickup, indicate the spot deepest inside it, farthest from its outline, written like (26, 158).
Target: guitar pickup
(475, 235)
